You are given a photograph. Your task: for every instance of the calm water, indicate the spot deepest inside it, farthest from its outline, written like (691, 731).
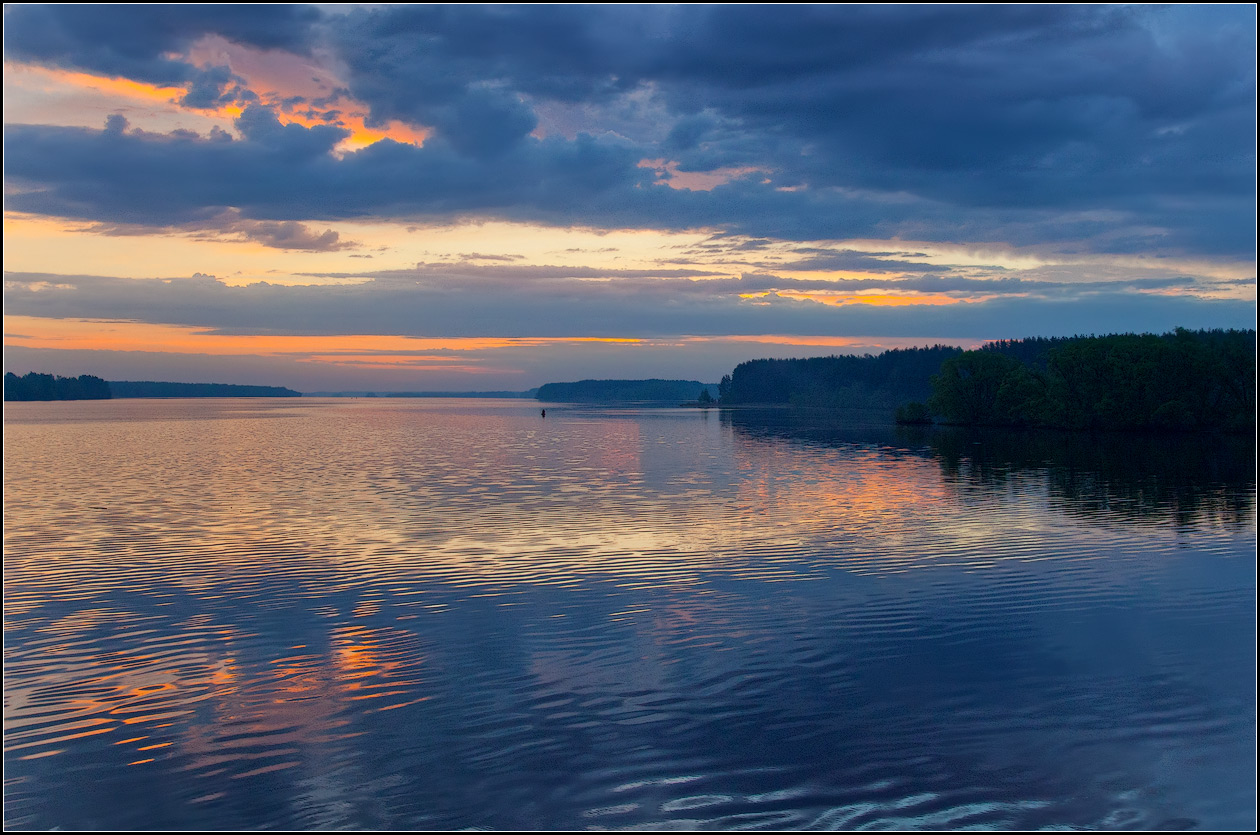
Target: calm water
(434, 614)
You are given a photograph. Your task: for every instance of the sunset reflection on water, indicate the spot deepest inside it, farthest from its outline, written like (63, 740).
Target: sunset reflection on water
(440, 614)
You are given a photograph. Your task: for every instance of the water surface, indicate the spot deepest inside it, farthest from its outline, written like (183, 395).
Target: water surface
(440, 614)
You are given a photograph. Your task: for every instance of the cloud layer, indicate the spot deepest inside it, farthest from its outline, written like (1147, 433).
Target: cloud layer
(1113, 129)
(727, 173)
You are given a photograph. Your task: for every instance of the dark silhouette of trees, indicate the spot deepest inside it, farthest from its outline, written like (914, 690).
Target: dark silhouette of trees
(867, 381)
(1184, 380)
(913, 413)
(35, 386)
(967, 387)
(126, 388)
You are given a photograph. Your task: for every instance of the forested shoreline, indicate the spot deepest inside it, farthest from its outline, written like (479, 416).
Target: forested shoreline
(128, 388)
(1183, 380)
(873, 382)
(36, 386)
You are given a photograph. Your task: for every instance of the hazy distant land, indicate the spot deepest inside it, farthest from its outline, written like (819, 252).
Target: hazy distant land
(1182, 380)
(122, 388)
(35, 386)
(463, 394)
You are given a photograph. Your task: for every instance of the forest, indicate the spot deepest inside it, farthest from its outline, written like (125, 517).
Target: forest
(34, 386)
(1183, 380)
(125, 388)
(866, 382)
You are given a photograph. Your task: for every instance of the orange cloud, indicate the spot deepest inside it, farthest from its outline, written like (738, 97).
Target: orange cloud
(361, 135)
(121, 87)
(353, 120)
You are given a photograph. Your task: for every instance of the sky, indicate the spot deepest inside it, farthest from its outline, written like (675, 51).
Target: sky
(465, 197)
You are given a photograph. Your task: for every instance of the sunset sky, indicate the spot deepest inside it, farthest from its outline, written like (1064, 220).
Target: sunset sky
(472, 197)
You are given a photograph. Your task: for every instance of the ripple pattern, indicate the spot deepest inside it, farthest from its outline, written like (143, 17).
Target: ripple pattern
(402, 614)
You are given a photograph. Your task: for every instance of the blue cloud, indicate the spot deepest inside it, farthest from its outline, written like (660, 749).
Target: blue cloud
(1112, 129)
(133, 41)
(466, 300)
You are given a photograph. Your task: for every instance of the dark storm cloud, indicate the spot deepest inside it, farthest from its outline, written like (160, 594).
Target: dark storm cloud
(1113, 129)
(287, 172)
(992, 105)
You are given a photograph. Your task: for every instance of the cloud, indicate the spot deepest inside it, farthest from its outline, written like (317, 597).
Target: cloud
(289, 234)
(289, 172)
(503, 305)
(231, 227)
(1108, 129)
(143, 42)
(1018, 105)
(824, 260)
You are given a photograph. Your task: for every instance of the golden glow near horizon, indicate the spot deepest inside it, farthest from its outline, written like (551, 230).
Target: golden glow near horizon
(48, 245)
(114, 335)
(310, 90)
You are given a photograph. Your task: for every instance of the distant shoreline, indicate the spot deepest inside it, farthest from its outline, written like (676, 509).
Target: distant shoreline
(37, 387)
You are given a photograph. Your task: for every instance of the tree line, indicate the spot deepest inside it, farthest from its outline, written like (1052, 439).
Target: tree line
(1181, 380)
(130, 388)
(34, 386)
(867, 382)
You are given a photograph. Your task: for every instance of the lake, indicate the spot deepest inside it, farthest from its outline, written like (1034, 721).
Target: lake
(443, 614)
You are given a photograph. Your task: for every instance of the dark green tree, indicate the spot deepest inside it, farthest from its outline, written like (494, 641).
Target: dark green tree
(966, 389)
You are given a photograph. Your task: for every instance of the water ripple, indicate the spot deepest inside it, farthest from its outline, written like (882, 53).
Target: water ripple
(402, 614)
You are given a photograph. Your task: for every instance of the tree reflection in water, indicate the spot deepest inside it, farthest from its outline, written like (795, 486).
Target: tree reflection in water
(1164, 478)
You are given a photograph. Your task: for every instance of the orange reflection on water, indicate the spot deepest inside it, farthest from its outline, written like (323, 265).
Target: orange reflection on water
(845, 492)
(103, 685)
